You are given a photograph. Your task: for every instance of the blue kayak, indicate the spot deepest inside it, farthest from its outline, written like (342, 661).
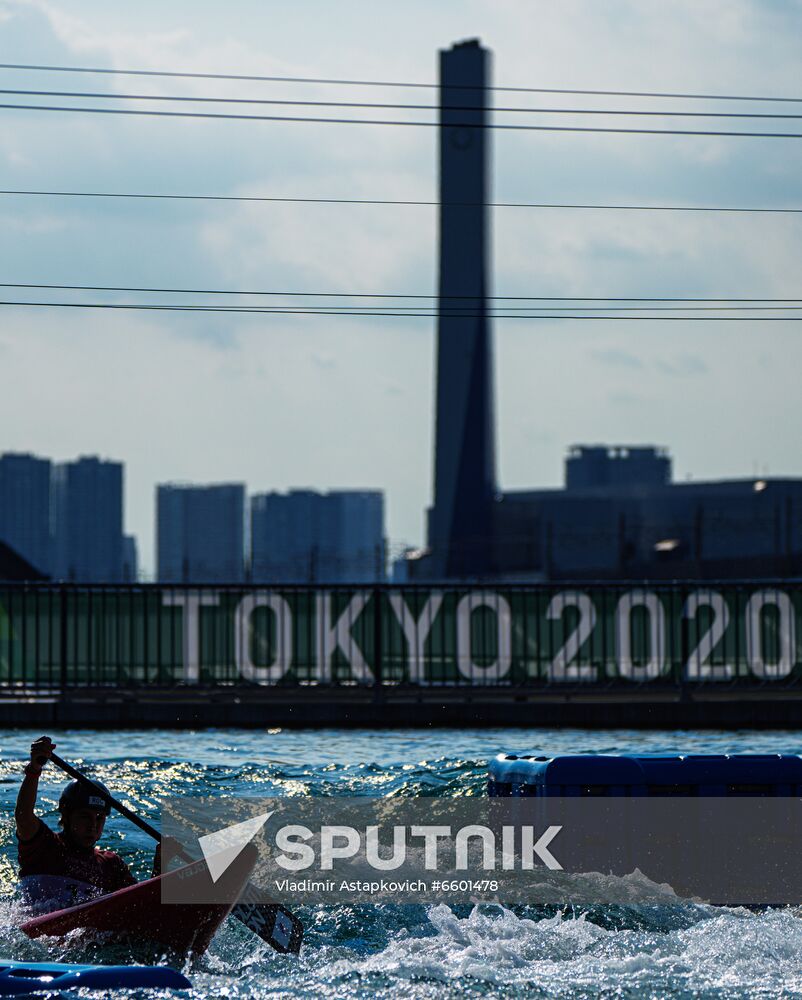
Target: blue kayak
(19, 978)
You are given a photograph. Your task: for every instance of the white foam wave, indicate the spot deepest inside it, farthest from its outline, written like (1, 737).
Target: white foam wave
(753, 954)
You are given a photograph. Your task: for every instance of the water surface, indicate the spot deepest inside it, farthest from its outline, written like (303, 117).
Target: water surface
(415, 951)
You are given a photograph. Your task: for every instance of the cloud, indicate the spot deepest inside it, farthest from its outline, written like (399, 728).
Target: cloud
(325, 361)
(615, 357)
(625, 398)
(682, 365)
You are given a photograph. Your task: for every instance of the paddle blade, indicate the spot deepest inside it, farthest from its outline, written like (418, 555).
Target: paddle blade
(274, 924)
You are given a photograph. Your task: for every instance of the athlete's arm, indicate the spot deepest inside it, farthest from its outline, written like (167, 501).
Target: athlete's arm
(26, 819)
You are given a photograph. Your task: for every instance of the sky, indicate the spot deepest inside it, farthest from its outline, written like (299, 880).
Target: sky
(346, 402)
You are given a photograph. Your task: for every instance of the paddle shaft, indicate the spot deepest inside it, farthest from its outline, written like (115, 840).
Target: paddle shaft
(123, 810)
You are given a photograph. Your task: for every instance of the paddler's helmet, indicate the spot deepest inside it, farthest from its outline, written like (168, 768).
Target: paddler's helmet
(77, 795)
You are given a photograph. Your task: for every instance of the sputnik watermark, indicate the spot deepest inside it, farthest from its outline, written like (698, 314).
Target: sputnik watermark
(519, 849)
(582, 849)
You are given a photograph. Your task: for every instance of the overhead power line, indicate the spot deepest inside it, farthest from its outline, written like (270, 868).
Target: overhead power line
(389, 121)
(721, 303)
(626, 112)
(400, 201)
(384, 313)
(177, 74)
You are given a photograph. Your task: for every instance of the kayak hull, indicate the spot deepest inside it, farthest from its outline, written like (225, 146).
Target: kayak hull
(137, 912)
(23, 978)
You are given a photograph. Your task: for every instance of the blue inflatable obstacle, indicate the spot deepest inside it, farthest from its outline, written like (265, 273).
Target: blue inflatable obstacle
(20, 978)
(646, 775)
(713, 828)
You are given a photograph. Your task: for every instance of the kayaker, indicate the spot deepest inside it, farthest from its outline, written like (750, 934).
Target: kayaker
(62, 869)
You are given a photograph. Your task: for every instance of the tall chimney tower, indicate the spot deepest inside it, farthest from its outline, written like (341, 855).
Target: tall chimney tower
(464, 476)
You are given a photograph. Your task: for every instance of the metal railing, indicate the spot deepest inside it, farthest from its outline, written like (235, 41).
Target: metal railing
(585, 634)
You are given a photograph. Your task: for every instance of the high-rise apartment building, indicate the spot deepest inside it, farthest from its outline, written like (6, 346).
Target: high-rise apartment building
(356, 520)
(130, 559)
(309, 537)
(200, 533)
(88, 520)
(25, 522)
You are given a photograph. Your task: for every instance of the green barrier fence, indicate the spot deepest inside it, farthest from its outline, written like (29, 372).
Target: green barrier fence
(58, 636)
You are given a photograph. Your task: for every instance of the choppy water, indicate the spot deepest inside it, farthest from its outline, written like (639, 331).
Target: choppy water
(415, 951)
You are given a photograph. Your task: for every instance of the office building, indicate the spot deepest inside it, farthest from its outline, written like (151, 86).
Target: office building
(597, 466)
(620, 516)
(200, 533)
(308, 537)
(88, 520)
(130, 559)
(25, 521)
